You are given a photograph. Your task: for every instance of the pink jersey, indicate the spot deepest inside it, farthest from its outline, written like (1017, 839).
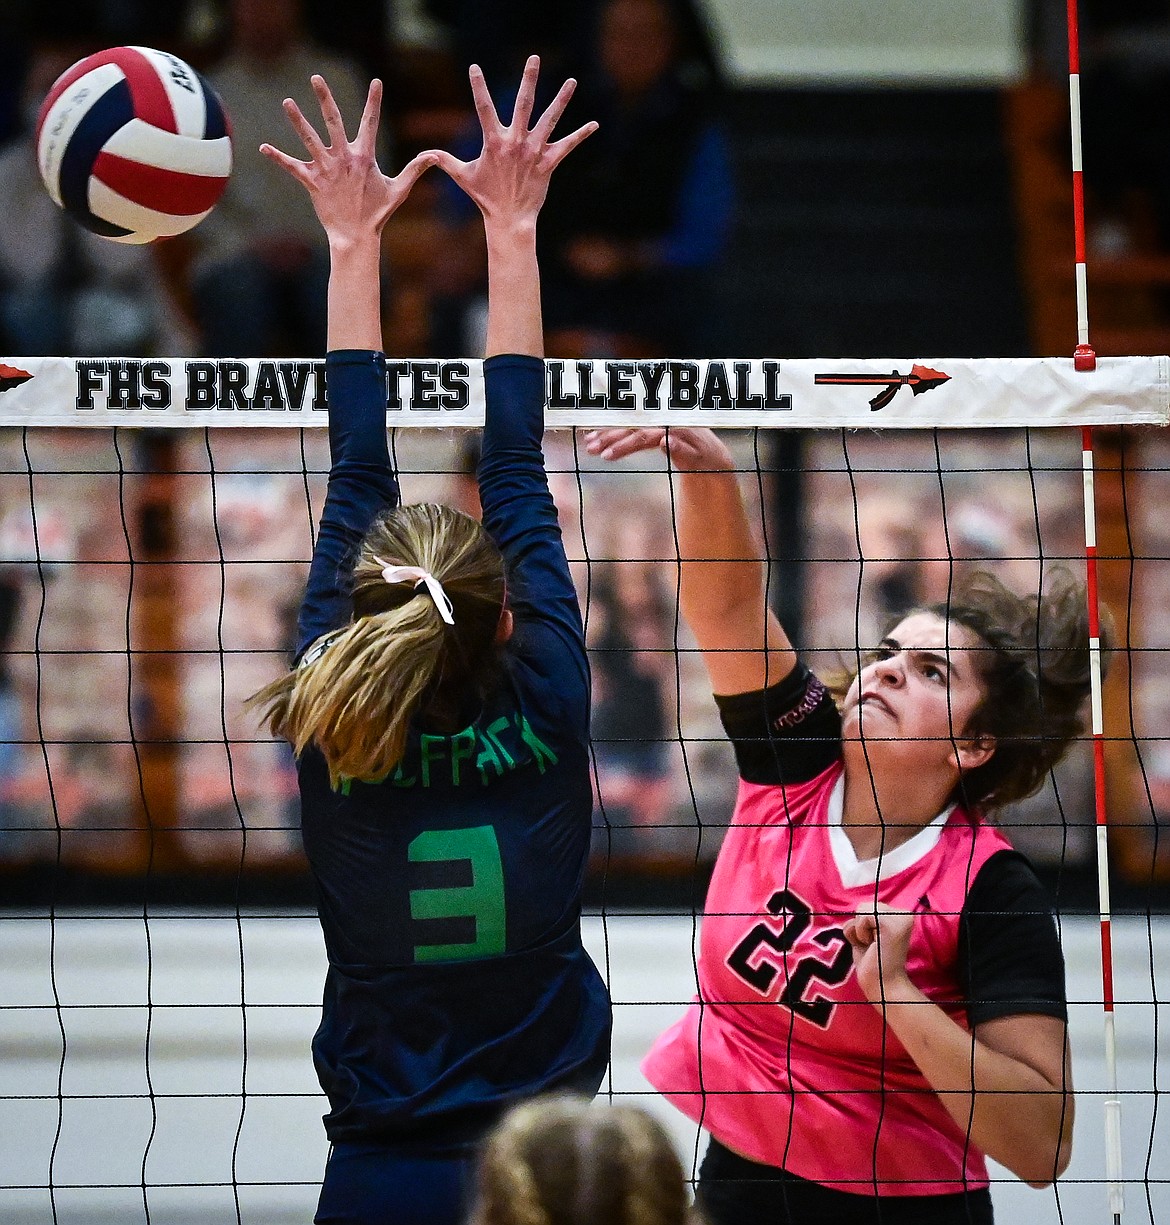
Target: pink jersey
(781, 1057)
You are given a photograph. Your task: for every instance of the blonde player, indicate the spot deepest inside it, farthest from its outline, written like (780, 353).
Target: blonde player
(439, 709)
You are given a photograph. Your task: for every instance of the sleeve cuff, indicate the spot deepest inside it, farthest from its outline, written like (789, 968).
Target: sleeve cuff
(746, 710)
(347, 369)
(355, 357)
(356, 391)
(504, 360)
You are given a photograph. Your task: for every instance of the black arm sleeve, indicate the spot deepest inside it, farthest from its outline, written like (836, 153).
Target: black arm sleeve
(1010, 960)
(787, 733)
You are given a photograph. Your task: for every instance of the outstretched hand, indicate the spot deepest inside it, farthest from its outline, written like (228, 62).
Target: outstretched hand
(509, 180)
(351, 196)
(691, 449)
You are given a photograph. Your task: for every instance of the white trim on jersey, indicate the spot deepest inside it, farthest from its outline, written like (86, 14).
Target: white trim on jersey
(854, 871)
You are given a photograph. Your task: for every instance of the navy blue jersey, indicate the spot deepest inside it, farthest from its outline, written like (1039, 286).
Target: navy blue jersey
(449, 893)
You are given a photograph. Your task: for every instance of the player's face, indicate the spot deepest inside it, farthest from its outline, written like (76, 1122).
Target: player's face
(920, 689)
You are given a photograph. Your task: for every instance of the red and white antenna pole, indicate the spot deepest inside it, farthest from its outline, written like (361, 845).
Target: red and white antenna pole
(1112, 1100)
(1085, 358)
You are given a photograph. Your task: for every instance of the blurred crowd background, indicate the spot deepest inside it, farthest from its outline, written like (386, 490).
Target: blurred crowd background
(698, 218)
(636, 227)
(711, 215)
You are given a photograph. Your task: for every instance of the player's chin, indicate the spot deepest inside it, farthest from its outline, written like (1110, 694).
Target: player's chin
(858, 723)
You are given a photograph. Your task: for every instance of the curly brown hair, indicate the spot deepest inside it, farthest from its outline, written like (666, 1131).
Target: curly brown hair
(1034, 662)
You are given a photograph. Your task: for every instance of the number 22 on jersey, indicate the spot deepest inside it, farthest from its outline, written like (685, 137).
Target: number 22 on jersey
(765, 952)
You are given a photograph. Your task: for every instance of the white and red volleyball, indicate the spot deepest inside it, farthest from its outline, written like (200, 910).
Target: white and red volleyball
(134, 144)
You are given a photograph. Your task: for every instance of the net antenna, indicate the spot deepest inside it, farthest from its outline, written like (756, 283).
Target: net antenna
(1085, 359)
(1084, 356)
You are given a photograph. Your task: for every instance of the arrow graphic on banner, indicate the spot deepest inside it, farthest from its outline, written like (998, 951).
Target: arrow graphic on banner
(11, 377)
(919, 380)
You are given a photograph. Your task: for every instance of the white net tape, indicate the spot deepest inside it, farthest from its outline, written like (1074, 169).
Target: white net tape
(807, 394)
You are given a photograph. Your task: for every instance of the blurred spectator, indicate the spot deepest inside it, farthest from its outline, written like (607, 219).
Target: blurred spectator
(64, 291)
(640, 216)
(261, 264)
(97, 23)
(631, 234)
(564, 1161)
(499, 35)
(1125, 82)
(10, 91)
(633, 665)
(356, 30)
(138, 22)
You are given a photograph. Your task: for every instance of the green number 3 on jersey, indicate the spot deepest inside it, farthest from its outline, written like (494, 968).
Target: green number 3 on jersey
(482, 900)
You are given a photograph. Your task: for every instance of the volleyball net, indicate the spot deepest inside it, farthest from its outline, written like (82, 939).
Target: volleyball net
(156, 524)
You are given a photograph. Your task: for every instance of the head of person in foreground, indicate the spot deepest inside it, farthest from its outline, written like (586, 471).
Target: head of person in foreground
(562, 1160)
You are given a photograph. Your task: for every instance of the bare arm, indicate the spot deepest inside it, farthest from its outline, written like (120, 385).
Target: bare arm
(722, 577)
(509, 183)
(1009, 1085)
(353, 200)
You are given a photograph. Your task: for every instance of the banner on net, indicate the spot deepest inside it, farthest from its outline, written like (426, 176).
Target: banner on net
(806, 394)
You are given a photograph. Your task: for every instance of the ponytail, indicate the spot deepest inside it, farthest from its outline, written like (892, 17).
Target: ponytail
(357, 692)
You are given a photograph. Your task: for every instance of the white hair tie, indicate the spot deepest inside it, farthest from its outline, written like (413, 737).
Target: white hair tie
(421, 578)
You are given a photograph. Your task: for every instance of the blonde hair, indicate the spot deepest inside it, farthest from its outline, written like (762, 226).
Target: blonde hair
(397, 658)
(562, 1161)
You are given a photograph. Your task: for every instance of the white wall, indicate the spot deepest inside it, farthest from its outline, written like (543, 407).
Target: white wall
(838, 42)
(164, 1064)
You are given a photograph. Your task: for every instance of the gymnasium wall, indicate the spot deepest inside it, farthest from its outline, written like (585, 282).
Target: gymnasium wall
(838, 42)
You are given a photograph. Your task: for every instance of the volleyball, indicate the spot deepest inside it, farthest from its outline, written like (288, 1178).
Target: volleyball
(134, 144)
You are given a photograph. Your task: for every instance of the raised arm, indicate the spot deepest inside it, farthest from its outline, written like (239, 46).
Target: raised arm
(353, 200)
(723, 579)
(509, 182)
